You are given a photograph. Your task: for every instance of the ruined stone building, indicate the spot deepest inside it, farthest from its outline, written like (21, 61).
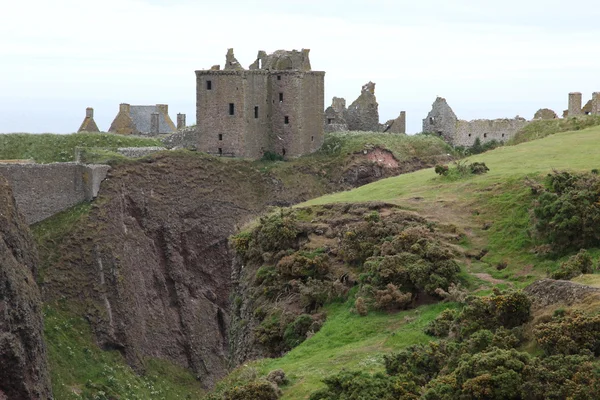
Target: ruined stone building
(276, 105)
(592, 107)
(362, 115)
(88, 124)
(442, 121)
(143, 120)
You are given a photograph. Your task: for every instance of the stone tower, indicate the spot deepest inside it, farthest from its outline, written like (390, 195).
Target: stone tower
(574, 104)
(276, 105)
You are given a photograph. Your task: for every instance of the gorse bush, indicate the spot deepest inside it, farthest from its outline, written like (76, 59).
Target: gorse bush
(460, 170)
(485, 361)
(567, 211)
(580, 263)
(571, 333)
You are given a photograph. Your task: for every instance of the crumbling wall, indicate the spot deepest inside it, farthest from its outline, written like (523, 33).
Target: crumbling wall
(335, 116)
(397, 125)
(443, 122)
(486, 130)
(363, 113)
(42, 190)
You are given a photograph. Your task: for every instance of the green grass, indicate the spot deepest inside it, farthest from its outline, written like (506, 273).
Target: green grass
(346, 341)
(47, 148)
(79, 369)
(403, 146)
(542, 128)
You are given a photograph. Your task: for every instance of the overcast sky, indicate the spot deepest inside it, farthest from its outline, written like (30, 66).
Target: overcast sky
(488, 59)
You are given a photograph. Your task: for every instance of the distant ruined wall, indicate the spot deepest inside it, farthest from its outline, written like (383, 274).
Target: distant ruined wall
(443, 122)
(467, 132)
(42, 190)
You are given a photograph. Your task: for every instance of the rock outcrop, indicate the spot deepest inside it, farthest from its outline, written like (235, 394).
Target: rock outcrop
(23, 364)
(547, 292)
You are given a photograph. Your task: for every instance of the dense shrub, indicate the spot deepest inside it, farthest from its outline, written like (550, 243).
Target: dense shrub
(298, 266)
(571, 333)
(580, 263)
(271, 156)
(360, 385)
(478, 148)
(258, 390)
(442, 324)
(460, 169)
(567, 211)
(506, 310)
(295, 332)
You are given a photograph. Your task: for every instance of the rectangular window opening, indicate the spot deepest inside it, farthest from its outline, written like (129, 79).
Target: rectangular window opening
(312, 138)
(231, 109)
(220, 136)
(278, 77)
(280, 97)
(286, 119)
(208, 85)
(329, 121)
(220, 151)
(256, 112)
(485, 135)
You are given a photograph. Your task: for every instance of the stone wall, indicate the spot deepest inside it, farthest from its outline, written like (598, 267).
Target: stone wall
(442, 121)
(363, 113)
(467, 132)
(42, 190)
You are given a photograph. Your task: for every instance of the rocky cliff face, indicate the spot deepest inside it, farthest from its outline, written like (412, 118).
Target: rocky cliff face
(150, 266)
(23, 366)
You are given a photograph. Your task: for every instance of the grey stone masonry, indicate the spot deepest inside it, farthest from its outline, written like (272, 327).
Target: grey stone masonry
(42, 190)
(574, 104)
(596, 103)
(443, 122)
(180, 121)
(276, 106)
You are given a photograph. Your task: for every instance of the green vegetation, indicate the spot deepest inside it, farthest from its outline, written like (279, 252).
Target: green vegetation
(403, 147)
(47, 148)
(81, 370)
(502, 250)
(541, 128)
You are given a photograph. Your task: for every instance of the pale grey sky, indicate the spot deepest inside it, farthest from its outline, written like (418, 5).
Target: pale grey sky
(488, 59)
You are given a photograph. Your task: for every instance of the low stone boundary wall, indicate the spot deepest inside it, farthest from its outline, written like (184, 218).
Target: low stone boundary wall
(42, 190)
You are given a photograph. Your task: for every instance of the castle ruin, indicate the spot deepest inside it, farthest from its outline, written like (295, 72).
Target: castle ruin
(274, 106)
(443, 122)
(592, 107)
(362, 115)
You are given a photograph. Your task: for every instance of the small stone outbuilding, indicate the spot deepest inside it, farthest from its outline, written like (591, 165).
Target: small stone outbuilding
(88, 124)
(142, 120)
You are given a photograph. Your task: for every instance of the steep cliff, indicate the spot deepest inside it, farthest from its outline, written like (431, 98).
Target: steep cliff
(23, 366)
(150, 265)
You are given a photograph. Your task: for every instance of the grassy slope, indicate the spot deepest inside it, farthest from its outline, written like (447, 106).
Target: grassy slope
(499, 197)
(47, 147)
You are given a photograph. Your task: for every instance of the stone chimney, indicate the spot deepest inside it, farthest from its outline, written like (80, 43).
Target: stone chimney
(124, 108)
(402, 122)
(89, 112)
(154, 121)
(180, 121)
(595, 103)
(574, 104)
